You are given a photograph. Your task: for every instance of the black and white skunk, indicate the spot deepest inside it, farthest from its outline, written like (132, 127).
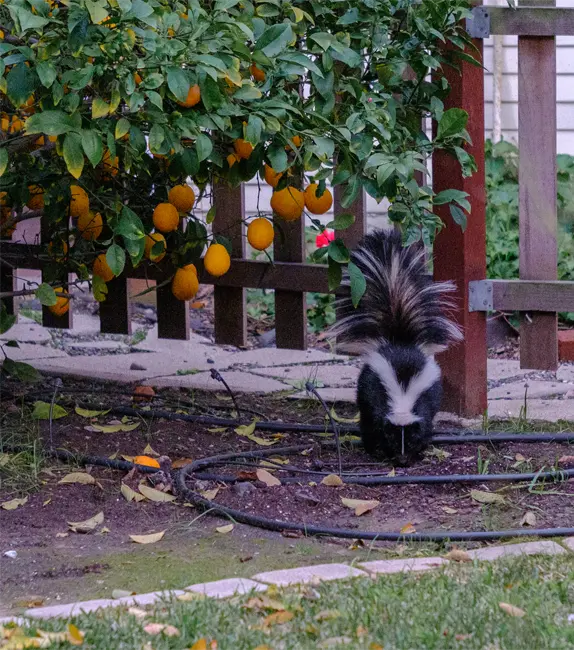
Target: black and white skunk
(398, 327)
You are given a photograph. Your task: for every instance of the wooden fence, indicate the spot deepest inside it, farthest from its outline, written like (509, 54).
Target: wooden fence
(458, 256)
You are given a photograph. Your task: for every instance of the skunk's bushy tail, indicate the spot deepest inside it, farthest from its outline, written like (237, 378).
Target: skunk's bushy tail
(401, 306)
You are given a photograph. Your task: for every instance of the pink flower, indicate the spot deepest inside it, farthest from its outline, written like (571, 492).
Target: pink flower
(324, 238)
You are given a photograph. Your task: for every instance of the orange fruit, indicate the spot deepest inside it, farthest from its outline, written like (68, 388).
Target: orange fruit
(216, 260)
(165, 217)
(171, 32)
(260, 233)
(90, 225)
(40, 142)
(182, 197)
(242, 148)
(150, 241)
(110, 165)
(271, 176)
(317, 204)
(58, 250)
(232, 159)
(4, 123)
(137, 78)
(80, 203)
(296, 140)
(17, 125)
(62, 304)
(193, 97)
(28, 106)
(288, 203)
(143, 394)
(185, 283)
(257, 73)
(36, 200)
(3, 198)
(102, 268)
(53, 138)
(147, 461)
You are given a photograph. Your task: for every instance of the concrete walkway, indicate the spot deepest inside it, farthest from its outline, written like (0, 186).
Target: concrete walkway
(145, 359)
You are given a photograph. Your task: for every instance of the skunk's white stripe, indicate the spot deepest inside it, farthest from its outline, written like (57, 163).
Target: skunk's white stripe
(402, 400)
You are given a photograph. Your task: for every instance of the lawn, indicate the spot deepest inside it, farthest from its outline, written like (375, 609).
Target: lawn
(514, 604)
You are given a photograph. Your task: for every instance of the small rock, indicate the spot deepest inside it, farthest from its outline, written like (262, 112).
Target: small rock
(11, 554)
(267, 339)
(210, 361)
(137, 366)
(243, 488)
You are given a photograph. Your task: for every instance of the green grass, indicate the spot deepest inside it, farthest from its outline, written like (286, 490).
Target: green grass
(457, 607)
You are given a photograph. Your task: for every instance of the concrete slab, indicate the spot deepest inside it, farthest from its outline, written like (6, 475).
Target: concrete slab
(237, 381)
(505, 368)
(72, 609)
(26, 333)
(512, 550)
(538, 409)
(32, 351)
(109, 368)
(226, 588)
(332, 374)
(569, 543)
(98, 345)
(566, 372)
(330, 394)
(267, 357)
(400, 566)
(85, 324)
(309, 574)
(517, 389)
(141, 600)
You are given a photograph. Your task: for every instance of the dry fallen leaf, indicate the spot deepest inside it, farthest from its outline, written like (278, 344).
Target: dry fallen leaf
(203, 645)
(88, 525)
(122, 593)
(148, 451)
(129, 494)
(519, 458)
(155, 495)
(277, 618)
(157, 628)
(143, 393)
(462, 637)
(210, 494)
(266, 477)
(392, 473)
(328, 614)
(486, 497)
(225, 529)
(90, 414)
(217, 429)
(190, 596)
(511, 610)
(360, 506)
(75, 636)
(408, 529)
(113, 428)
(62, 534)
(529, 519)
(449, 511)
(264, 602)
(457, 555)
(566, 460)
(137, 612)
(332, 480)
(14, 503)
(78, 477)
(181, 462)
(147, 539)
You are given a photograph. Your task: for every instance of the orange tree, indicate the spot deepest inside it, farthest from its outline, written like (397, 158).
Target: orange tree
(108, 105)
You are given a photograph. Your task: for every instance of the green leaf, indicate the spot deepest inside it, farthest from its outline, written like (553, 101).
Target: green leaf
(98, 11)
(73, 154)
(46, 295)
(458, 216)
(338, 251)
(203, 146)
(122, 128)
(323, 39)
(156, 137)
(342, 221)
(155, 99)
(6, 319)
(116, 259)
(27, 19)
(47, 73)
(324, 83)
(334, 274)
(20, 84)
(274, 39)
(19, 370)
(99, 288)
(211, 95)
(42, 411)
(3, 160)
(50, 123)
(254, 130)
(452, 123)
(277, 156)
(210, 216)
(130, 225)
(100, 108)
(351, 191)
(323, 147)
(446, 196)
(300, 59)
(178, 82)
(92, 146)
(358, 283)
(349, 17)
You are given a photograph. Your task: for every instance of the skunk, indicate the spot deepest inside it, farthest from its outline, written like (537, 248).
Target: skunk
(398, 327)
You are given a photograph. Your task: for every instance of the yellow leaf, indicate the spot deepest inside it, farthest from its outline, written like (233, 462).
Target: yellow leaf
(147, 539)
(338, 418)
(265, 477)
(486, 497)
(100, 108)
(360, 506)
(78, 477)
(190, 596)
(375, 646)
(264, 602)
(246, 429)
(210, 494)
(332, 480)
(88, 525)
(148, 451)
(46, 502)
(511, 610)
(199, 645)
(298, 13)
(75, 636)
(328, 615)
(217, 429)
(225, 529)
(114, 428)
(277, 618)
(131, 495)
(263, 442)
(138, 613)
(392, 473)
(155, 495)
(519, 458)
(14, 503)
(456, 555)
(449, 511)
(408, 529)
(85, 413)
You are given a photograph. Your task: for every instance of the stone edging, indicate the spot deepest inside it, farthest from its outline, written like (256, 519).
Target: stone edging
(301, 575)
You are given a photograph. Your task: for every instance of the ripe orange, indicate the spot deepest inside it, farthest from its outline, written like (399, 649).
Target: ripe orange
(110, 165)
(257, 73)
(232, 159)
(242, 148)
(137, 78)
(62, 304)
(182, 197)
(147, 461)
(185, 283)
(260, 233)
(193, 97)
(317, 204)
(143, 394)
(288, 203)
(4, 123)
(165, 217)
(90, 225)
(80, 203)
(58, 250)
(296, 140)
(271, 176)
(36, 200)
(150, 241)
(216, 260)
(102, 268)
(17, 124)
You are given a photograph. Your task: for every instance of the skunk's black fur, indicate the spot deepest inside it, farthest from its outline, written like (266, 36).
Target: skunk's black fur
(399, 325)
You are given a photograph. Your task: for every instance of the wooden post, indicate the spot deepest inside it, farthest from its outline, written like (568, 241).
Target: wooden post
(7, 284)
(115, 312)
(172, 314)
(229, 302)
(461, 256)
(352, 235)
(537, 190)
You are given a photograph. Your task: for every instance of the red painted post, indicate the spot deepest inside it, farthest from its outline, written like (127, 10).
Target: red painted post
(461, 256)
